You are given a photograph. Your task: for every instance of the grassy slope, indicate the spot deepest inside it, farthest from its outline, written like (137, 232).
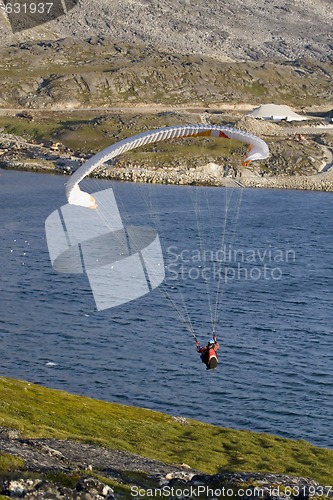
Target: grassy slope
(93, 133)
(41, 412)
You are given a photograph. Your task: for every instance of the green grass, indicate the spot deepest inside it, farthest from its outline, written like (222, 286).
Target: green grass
(257, 89)
(63, 478)
(39, 412)
(43, 129)
(91, 133)
(187, 152)
(9, 463)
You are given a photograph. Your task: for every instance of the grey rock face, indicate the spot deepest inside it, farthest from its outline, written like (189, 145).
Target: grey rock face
(239, 30)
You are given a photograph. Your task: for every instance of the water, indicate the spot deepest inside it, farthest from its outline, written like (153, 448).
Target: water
(275, 329)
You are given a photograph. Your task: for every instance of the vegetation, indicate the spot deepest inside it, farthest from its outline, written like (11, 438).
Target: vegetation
(9, 463)
(86, 132)
(72, 74)
(91, 132)
(39, 412)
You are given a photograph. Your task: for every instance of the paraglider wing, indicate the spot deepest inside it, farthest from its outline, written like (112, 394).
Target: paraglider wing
(258, 150)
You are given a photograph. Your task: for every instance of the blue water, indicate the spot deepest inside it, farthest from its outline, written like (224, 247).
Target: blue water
(276, 359)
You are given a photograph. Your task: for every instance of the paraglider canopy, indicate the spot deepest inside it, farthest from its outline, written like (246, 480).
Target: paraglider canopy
(257, 150)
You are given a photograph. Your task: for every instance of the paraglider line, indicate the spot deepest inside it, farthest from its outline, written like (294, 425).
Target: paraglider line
(81, 257)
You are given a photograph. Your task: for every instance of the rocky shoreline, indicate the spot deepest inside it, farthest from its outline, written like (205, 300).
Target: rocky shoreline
(319, 182)
(215, 175)
(305, 164)
(70, 470)
(208, 175)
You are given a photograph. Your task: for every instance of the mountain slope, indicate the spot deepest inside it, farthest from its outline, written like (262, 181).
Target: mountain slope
(263, 30)
(70, 74)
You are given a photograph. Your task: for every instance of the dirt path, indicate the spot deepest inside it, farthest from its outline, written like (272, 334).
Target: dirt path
(137, 108)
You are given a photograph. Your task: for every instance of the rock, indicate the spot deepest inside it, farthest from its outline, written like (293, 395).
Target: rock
(247, 485)
(181, 420)
(86, 489)
(186, 476)
(7, 433)
(96, 489)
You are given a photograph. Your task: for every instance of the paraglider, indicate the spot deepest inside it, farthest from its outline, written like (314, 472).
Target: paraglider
(208, 353)
(125, 262)
(258, 150)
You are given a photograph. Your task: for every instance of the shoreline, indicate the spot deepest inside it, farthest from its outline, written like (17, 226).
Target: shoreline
(298, 161)
(207, 175)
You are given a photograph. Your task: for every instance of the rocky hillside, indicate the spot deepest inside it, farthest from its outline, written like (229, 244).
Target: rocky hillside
(265, 30)
(110, 52)
(98, 72)
(70, 470)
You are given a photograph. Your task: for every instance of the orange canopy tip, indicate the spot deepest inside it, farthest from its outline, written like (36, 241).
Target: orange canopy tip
(93, 203)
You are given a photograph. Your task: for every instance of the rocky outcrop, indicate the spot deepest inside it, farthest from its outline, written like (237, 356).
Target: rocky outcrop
(213, 174)
(248, 485)
(85, 489)
(66, 470)
(320, 182)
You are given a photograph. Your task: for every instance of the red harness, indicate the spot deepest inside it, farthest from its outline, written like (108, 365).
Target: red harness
(211, 354)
